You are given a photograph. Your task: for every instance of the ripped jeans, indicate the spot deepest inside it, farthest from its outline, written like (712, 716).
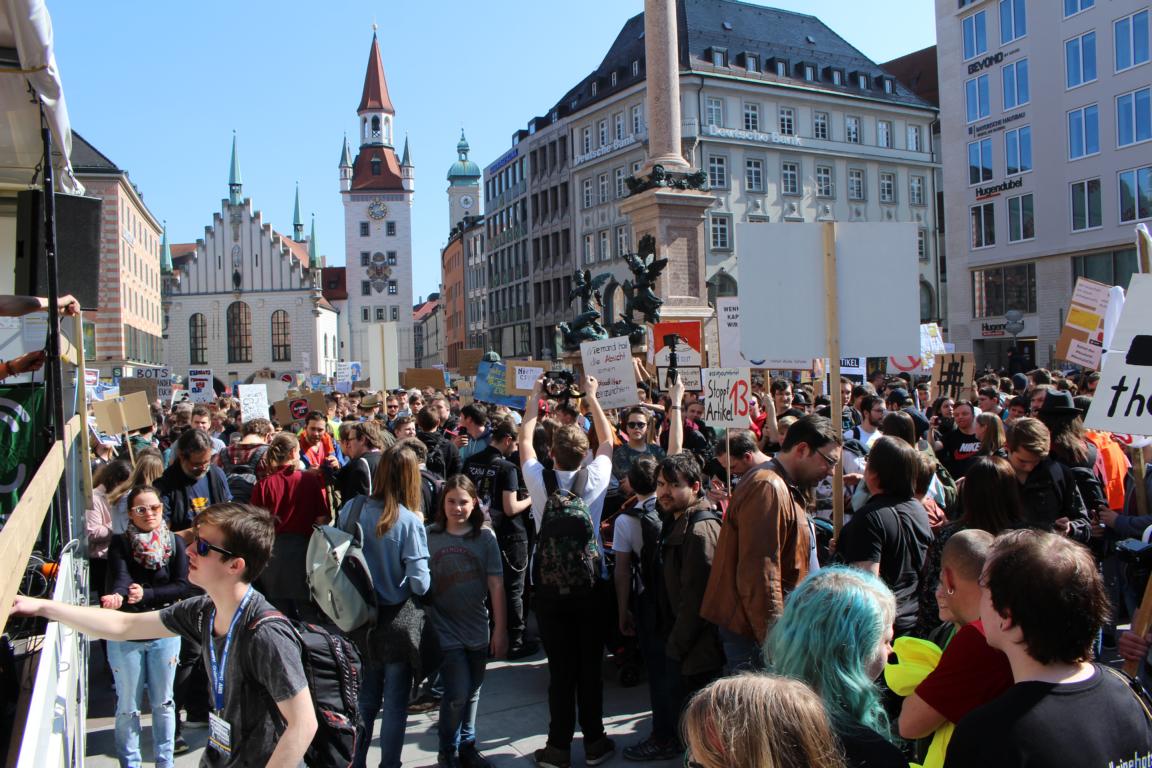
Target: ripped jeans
(136, 664)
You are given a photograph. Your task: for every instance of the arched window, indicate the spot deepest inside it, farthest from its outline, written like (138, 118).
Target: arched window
(239, 333)
(927, 303)
(198, 340)
(281, 336)
(325, 346)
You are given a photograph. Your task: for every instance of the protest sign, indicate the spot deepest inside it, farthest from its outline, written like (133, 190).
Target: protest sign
(292, 409)
(150, 387)
(727, 392)
(689, 351)
(491, 386)
(200, 385)
(610, 361)
(277, 390)
(123, 413)
(465, 392)
(1082, 337)
(728, 321)
(349, 371)
(91, 377)
(419, 378)
(253, 401)
(154, 373)
(690, 375)
(467, 360)
(954, 374)
(1123, 401)
(524, 373)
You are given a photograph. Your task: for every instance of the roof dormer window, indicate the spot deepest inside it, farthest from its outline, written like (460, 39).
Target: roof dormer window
(837, 77)
(612, 79)
(595, 87)
(887, 84)
(635, 67)
(809, 72)
(719, 57)
(375, 166)
(862, 81)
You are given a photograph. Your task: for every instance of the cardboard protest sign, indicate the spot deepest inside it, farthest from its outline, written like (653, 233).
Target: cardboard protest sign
(253, 401)
(200, 385)
(1082, 337)
(123, 413)
(292, 409)
(610, 361)
(491, 386)
(418, 378)
(467, 360)
(523, 374)
(954, 374)
(130, 384)
(465, 392)
(1123, 401)
(727, 393)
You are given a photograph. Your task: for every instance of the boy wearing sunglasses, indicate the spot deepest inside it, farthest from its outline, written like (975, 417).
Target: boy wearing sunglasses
(246, 665)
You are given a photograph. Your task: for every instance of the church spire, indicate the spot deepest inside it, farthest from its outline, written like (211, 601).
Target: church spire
(313, 253)
(375, 96)
(235, 185)
(165, 253)
(406, 159)
(297, 225)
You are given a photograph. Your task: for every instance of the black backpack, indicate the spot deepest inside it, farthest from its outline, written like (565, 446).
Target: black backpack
(332, 668)
(433, 486)
(242, 477)
(436, 462)
(647, 569)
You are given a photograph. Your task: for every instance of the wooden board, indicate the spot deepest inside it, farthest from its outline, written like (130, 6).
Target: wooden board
(292, 409)
(467, 360)
(419, 378)
(150, 387)
(122, 414)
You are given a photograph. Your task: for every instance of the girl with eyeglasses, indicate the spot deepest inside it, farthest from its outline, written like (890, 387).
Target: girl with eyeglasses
(148, 570)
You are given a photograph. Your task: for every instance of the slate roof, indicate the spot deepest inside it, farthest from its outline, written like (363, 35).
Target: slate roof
(87, 159)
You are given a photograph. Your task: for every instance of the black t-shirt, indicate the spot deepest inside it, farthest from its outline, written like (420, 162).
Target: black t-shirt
(894, 533)
(493, 474)
(864, 748)
(959, 451)
(1097, 723)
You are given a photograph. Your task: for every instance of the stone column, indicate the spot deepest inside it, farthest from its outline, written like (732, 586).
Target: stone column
(662, 58)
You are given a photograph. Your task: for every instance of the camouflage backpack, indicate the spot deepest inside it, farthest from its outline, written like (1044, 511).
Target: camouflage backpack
(567, 559)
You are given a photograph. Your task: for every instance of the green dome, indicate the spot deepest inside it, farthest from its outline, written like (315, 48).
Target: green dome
(463, 172)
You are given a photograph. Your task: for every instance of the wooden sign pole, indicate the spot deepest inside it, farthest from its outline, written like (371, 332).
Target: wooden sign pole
(728, 453)
(832, 319)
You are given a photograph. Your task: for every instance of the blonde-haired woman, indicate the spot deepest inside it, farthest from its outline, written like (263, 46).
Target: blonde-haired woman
(149, 467)
(396, 549)
(760, 720)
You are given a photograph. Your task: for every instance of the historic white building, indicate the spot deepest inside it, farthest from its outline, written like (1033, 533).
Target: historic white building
(246, 297)
(377, 193)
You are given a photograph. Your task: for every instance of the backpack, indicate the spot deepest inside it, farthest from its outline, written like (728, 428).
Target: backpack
(567, 559)
(436, 462)
(242, 477)
(433, 486)
(332, 668)
(338, 575)
(646, 569)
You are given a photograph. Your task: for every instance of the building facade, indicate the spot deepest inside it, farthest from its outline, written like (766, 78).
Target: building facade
(509, 295)
(463, 206)
(429, 332)
(1046, 131)
(475, 284)
(377, 190)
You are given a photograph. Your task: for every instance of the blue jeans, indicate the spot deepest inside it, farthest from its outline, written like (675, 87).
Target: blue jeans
(134, 665)
(384, 690)
(741, 653)
(462, 674)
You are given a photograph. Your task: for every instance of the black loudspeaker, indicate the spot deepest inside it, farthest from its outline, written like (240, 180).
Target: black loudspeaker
(77, 246)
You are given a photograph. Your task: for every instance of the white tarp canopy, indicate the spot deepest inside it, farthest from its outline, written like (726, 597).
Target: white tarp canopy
(26, 27)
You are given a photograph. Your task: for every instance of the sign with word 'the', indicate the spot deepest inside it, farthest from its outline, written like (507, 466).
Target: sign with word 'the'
(1123, 401)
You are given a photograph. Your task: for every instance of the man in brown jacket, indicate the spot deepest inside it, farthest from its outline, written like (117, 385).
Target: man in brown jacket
(764, 546)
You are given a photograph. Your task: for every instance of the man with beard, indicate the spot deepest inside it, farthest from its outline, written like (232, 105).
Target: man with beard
(872, 412)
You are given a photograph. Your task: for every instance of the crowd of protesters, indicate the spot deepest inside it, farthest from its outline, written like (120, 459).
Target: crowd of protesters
(981, 534)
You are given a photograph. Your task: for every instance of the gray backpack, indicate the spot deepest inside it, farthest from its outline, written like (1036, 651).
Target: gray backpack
(338, 575)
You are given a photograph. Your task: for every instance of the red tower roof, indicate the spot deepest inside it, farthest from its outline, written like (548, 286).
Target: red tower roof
(375, 86)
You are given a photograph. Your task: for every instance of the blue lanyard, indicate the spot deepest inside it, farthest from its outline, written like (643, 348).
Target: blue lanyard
(218, 671)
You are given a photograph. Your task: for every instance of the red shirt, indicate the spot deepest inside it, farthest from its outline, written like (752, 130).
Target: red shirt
(295, 498)
(970, 674)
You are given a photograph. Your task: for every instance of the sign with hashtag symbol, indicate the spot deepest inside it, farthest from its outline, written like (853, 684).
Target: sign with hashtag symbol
(954, 374)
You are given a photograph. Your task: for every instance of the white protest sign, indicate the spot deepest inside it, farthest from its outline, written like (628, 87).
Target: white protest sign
(200, 385)
(610, 361)
(164, 389)
(727, 392)
(277, 390)
(1123, 401)
(728, 328)
(253, 401)
(91, 377)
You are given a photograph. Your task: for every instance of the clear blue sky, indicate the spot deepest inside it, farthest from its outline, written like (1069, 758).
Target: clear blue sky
(159, 86)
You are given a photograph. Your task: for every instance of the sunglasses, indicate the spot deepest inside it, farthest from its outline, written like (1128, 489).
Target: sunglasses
(204, 547)
(637, 425)
(146, 508)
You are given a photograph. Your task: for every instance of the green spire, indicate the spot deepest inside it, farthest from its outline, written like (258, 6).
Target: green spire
(313, 256)
(407, 158)
(346, 154)
(297, 224)
(165, 253)
(234, 183)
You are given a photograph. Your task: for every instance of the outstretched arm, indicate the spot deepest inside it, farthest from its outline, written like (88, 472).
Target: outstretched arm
(528, 424)
(93, 621)
(600, 420)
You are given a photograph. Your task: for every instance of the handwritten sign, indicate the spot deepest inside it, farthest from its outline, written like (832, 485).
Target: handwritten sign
(610, 361)
(154, 373)
(727, 393)
(253, 401)
(954, 374)
(491, 386)
(150, 387)
(1082, 338)
(200, 385)
(293, 409)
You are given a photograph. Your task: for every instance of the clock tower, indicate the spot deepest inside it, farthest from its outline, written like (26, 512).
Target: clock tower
(463, 186)
(377, 188)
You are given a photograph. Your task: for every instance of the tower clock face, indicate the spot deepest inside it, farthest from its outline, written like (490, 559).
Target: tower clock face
(466, 202)
(377, 209)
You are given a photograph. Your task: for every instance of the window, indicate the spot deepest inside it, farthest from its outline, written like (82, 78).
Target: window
(1083, 132)
(983, 225)
(603, 187)
(754, 175)
(999, 289)
(884, 133)
(837, 77)
(788, 121)
(602, 129)
(720, 232)
(825, 187)
(612, 79)
(979, 161)
(922, 244)
(1136, 194)
(781, 68)
(976, 98)
(1015, 84)
(1013, 21)
(1133, 117)
(603, 250)
(281, 336)
(717, 172)
(1018, 150)
(751, 117)
(975, 35)
(365, 314)
(1021, 223)
(390, 257)
(363, 229)
(637, 119)
(619, 121)
(719, 57)
(1131, 40)
(392, 288)
(852, 129)
(588, 255)
(239, 319)
(862, 81)
(887, 83)
(809, 72)
(621, 241)
(1086, 209)
(620, 188)
(380, 314)
(1072, 7)
(790, 178)
(1109, 267)
(820, 125)
(390, 228)
(714, 111)
(1080, 60)
(587, 196)
(916, 190)
(197, 340)
(635, 67)
(855, 184)
(887, 187)
(365, 258)
(395, 313)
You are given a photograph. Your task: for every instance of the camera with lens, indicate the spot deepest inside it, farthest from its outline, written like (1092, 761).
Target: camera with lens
(560, 385)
